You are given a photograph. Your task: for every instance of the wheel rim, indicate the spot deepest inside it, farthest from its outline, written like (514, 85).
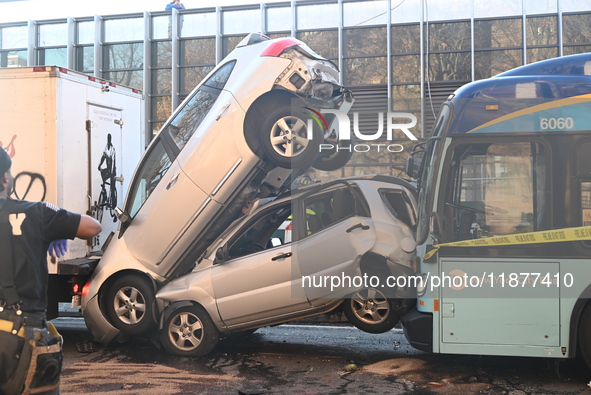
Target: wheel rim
(370, 306)
(289, 136)
(130, 305)
(185, 331)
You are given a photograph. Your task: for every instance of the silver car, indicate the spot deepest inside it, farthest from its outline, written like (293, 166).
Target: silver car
(247, 118)
(283, 261)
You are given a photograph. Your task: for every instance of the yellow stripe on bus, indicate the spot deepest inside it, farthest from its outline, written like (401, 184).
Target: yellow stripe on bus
(534, 109)
(545, 236)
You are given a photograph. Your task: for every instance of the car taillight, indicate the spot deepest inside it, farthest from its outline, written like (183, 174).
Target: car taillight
(86, 288)
(278, 47)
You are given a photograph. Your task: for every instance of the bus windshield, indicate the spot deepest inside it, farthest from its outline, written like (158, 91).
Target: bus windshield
(428, 173)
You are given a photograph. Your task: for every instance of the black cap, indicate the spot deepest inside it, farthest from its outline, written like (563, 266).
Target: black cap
(5, 161)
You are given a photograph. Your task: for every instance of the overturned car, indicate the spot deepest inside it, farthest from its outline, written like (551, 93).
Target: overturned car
(238, 136)
(322, 247)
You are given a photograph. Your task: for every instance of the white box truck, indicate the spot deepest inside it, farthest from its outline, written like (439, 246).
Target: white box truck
(75, 141)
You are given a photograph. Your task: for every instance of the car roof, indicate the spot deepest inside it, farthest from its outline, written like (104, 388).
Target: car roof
(348, 180)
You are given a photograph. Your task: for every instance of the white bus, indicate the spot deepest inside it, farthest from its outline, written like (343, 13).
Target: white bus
(504, 211)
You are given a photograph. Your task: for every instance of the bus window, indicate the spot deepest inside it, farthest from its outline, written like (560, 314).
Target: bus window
(583, 163)
(586, 203)
(496, 189)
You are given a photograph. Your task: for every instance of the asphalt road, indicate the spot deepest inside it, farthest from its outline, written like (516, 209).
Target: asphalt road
(304, 359)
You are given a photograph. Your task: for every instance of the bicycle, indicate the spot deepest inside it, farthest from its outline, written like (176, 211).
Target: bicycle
(106, 200)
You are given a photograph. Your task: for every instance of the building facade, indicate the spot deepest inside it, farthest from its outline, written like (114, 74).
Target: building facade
(395, 55)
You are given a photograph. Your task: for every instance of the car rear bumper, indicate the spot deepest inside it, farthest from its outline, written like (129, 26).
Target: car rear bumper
(97, 324)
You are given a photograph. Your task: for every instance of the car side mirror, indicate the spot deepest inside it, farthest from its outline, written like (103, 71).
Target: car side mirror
(122, 215)
(276, 241)
(221, 255)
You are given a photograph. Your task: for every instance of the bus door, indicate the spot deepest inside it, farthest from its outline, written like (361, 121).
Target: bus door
(496, 295)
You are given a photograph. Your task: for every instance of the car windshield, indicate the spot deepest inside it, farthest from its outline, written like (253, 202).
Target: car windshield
(153, 168)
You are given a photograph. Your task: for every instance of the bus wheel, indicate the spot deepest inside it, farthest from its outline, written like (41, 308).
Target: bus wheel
(371, 311)
(584, 335)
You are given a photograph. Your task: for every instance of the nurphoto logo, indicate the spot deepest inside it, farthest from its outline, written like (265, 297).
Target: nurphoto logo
(342, 127)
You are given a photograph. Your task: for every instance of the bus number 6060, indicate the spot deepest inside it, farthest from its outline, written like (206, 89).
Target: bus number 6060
(557, 123)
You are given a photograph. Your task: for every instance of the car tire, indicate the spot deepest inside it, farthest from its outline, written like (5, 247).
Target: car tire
(130, 304)
(284, 139)
(370, 311)
(189, 331)
(333, 159)
(583, 336)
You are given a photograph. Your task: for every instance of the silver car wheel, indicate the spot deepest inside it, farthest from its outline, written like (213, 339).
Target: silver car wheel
(370, 306)
(289, 136)
(188, 331)
(129, 305)
(185, 331)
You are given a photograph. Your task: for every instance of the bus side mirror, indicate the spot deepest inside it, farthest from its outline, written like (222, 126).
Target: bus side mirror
(434, 225)
(413, 167)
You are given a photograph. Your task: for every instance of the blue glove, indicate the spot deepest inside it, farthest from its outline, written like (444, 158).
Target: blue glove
(58, 248)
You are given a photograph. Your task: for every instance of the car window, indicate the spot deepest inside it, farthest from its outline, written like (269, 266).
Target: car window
(399, 205)
(151, 171)
(270, 229)
(329, 208)
(188, 119)
(219, 78)
(193, 112)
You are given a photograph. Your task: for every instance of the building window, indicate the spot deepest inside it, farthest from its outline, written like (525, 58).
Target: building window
(52, 45)
(123, 52)
(541, 38)
(324, 42)
(498, 46)
(85, 47)
(278, 19)
(241, 21)
(124, 63)
(576, 33)
(229, 43)
(317, 16)
(13, 46)
(201, 24)
(449, 51)
(365, 13)
(365, 56)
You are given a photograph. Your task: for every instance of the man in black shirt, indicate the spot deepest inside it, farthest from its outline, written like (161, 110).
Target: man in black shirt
(27, 229)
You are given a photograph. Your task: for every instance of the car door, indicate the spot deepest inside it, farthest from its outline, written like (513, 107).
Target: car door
(337, 232)
(162, 202)
(208, 131)
(256, 280)
(164, 214)
(213, 158)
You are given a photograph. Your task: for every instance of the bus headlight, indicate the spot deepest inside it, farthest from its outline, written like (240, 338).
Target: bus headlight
(422, 284)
